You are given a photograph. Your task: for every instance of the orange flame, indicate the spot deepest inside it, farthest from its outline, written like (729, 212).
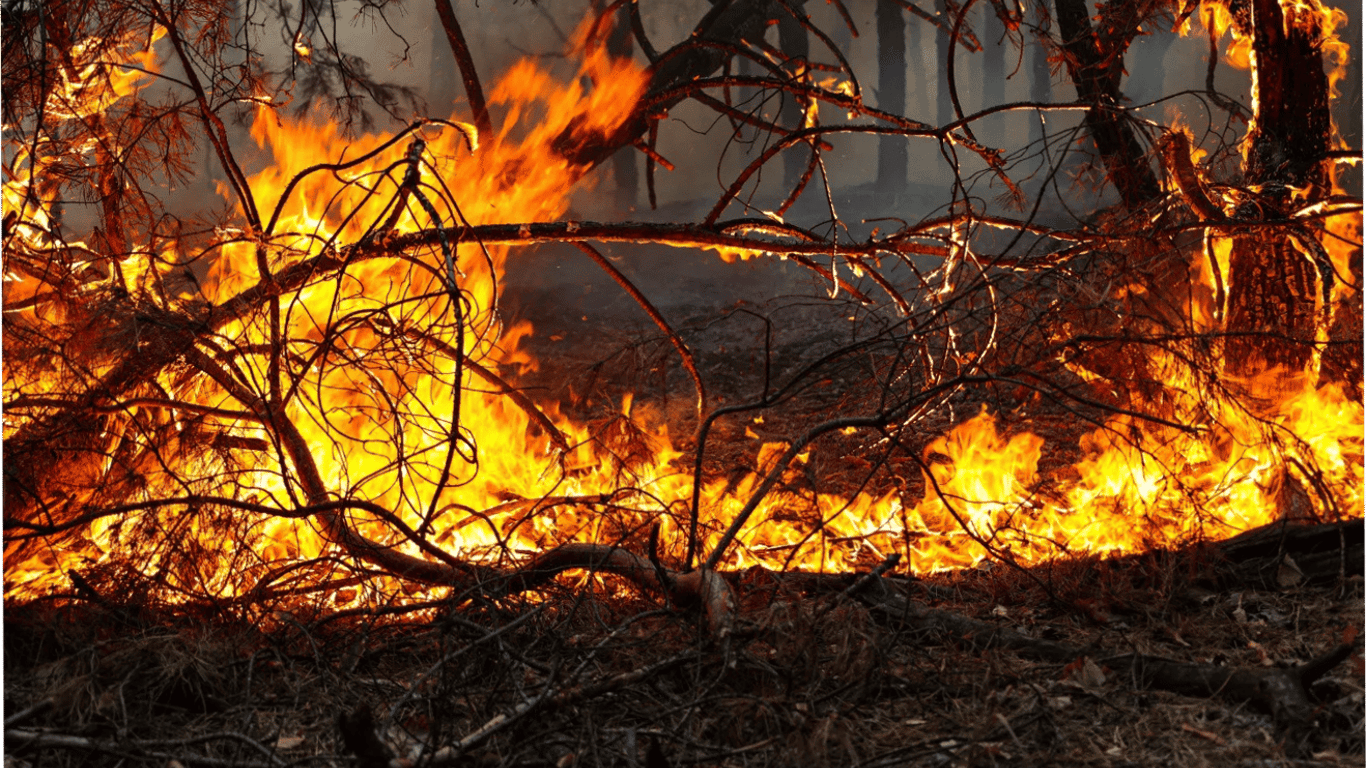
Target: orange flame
(386, 433)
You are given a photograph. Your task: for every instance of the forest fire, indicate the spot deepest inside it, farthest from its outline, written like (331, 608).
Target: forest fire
(810, 389)
(351, 382)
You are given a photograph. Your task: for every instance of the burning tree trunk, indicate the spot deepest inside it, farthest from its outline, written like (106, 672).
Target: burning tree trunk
(1280, 285)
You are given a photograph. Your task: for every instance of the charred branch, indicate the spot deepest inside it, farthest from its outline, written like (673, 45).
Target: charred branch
(473, 90)
(1175, 150)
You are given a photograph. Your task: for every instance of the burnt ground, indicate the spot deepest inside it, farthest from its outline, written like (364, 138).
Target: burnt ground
(590, 671)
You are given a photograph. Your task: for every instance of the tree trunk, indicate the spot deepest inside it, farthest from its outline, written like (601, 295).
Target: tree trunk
(891, 93)
(1040, 86)
(624, 161)
(796, 46)
(941, 43)
(1273, 286)
(1147, 74)
(993, 68)
(1342, 360)
(442, 88)
(1096, 74)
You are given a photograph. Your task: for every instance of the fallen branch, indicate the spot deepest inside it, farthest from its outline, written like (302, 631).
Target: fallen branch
(702, 588)
(1288, 553)
(1280, 555)
(1282, 693)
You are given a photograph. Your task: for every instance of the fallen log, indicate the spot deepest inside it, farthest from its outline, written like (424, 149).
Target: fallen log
(1288, 553)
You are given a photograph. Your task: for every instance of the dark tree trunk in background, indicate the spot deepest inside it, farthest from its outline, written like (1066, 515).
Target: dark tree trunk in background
(992, 34)
(944, 101)
(1272, 285)
(796, 46)
(1096, 72)
(444, 78)
(892, 154)
(1040, 85)
(624, 161)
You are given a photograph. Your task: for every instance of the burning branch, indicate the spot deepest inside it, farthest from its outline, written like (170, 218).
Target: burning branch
(344, 361)
(1175, 149)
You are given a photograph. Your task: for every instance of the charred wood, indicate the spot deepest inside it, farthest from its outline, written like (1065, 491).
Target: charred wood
(1175, 150)
(1273, 289)
(1289, 554)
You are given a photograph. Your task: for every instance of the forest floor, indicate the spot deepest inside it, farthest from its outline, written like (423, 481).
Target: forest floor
(587, 673)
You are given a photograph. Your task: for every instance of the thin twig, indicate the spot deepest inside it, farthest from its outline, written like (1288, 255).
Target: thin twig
(684, 353)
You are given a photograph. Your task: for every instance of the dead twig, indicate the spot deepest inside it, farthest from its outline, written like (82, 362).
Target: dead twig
(684, 354)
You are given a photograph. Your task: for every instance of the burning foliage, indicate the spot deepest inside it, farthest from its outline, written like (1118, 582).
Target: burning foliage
(311, 405)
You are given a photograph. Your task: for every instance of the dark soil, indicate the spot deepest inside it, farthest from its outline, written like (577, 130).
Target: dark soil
(808, 679)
